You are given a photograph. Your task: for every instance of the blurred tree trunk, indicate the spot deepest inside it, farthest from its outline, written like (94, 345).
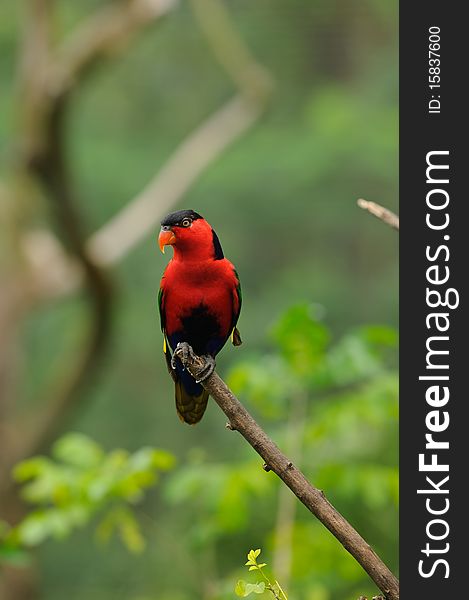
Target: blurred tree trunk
(35, 266)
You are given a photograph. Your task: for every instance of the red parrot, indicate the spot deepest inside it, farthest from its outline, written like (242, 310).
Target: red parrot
(199, 302)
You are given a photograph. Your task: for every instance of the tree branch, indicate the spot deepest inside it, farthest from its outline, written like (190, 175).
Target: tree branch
(54, 274)
(380, 212)
(50, 76)
(230, 50)
(101, 35)
(313, 498)
(200, 149)
(194, 155)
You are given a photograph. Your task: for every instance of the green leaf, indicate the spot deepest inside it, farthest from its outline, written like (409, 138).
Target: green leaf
(244, 589)
(31, 468)
(78, 450)
(148, 458)
(82, 481)
(34, 529)
(380, 335)
(302, 338)
(240, 589)
(253, 554)
(256, 588)
(130, 533)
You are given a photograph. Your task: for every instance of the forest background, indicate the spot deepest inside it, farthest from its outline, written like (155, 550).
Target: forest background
(318, 365)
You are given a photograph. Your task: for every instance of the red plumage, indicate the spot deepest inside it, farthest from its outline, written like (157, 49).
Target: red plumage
(200, 301)
(187, 286)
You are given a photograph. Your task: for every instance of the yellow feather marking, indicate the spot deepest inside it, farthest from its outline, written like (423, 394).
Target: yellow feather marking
(164, 343)
(232, 335)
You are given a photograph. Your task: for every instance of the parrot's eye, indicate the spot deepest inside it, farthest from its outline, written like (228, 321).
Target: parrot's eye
(186, 222)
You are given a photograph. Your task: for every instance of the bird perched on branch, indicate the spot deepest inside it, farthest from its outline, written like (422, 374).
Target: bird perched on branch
(199, 302)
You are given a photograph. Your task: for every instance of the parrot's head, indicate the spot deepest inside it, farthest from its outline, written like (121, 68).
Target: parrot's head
(190, 235)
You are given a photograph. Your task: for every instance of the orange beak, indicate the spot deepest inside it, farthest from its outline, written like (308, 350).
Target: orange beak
(166, 238)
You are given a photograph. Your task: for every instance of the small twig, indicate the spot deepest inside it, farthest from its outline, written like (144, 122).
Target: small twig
(309, 495)
(380, 212)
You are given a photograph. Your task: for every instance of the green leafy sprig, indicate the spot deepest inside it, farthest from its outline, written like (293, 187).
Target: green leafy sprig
(244, 589)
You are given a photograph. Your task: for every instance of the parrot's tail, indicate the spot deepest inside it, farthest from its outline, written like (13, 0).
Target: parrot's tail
(191, 397)
(190, 408)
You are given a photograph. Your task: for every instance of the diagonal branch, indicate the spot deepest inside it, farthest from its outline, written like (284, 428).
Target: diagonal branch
(50, 77)
(230, 50)
(114, 240)
(313, 498)
(201, 148)
(55, 274)
(101, 36)
(380, 212)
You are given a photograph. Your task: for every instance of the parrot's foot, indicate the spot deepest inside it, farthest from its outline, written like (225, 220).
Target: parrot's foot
(183, 352)
(207, 369)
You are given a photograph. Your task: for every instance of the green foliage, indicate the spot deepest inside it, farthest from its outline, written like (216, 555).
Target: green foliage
(344, 396)
(222, 495)
(337, 399)
(78, 483)
(306, 359)
(302, 339)
(282, 200)
(244, 589)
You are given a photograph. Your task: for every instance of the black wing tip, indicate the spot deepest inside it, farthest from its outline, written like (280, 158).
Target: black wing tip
(217, 249)
(236, 338)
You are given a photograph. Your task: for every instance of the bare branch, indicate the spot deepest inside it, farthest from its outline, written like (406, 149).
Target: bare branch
(313, 498)
(49, 76)
(115, 239)
(228, 47)
(141, 215)
(55, 274)
(195, 154)
(101, 36)
(380, 212)
(54, 271)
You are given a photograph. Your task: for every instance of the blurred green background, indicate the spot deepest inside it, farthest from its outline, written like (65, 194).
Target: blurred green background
(319, 376)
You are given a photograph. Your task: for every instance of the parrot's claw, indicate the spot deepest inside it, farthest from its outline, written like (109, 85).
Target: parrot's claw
(183, 352)
(207, 369)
